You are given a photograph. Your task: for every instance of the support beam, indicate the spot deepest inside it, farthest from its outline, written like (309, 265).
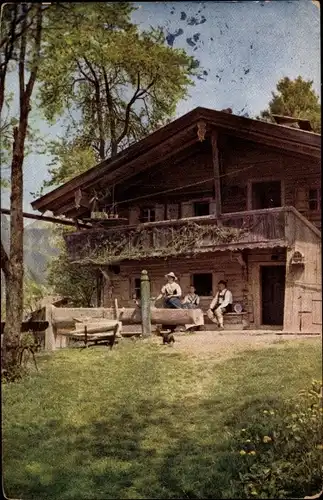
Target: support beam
(44, 218)
(216, 172)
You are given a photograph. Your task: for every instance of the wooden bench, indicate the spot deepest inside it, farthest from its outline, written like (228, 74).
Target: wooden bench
(107, 335)
(231, 321)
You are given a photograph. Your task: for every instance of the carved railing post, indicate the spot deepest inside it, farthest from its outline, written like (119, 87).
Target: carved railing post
(145, 304)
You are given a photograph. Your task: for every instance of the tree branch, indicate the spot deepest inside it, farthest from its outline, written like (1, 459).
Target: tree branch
(98, 109)
(113, 132)
(138, 94)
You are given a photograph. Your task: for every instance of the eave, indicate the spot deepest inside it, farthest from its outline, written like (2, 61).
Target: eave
(171, 139)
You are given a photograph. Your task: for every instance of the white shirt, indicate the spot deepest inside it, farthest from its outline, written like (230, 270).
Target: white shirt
(172, 289)
(223, 298)
(192, 298)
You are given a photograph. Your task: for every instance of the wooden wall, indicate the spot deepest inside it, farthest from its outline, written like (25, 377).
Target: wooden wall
(241, 163)
(222, 265)
(303, 283)
(244, 162)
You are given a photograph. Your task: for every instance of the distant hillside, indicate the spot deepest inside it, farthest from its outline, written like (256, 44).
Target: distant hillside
(38, 247)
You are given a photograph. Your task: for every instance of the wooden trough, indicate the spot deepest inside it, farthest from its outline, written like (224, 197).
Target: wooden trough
(66, 317)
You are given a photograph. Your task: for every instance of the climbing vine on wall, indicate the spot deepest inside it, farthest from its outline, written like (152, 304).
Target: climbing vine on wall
(101, 247)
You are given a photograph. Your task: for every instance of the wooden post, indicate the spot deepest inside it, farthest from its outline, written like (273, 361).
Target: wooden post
(145, 304)
(216, 172)
(116, 309)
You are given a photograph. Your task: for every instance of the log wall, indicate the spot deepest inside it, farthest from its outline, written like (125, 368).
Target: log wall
(241, 163)
(222, 265)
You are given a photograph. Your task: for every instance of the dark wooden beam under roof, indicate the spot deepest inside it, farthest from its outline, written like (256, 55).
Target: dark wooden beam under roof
(174, 146)
(133, 152)
(147, 152)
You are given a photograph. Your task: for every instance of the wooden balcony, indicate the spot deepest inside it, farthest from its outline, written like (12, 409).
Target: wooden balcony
(252, 229)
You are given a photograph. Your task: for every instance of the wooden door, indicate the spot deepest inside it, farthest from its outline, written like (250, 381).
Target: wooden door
(273, 294)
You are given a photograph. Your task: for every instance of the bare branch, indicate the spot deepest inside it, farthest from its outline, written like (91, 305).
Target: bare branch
(138, 94)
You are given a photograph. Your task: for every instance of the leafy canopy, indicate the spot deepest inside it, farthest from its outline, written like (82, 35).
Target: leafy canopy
(112, 83)
(295, 98)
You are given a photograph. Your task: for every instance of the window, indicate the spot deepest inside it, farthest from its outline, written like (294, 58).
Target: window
(266, 195)
(136, 288)
(147, 214)
(201, 208)
(314, 199)
(203, 284)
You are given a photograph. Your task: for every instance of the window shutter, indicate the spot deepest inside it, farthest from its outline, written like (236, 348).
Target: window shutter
(159, 212)
(187, 210)
(212, 207)
(134, 213)
(301, 199)
(172, 211)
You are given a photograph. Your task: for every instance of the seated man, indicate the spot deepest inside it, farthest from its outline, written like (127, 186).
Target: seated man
(191, 300)
(221, 304)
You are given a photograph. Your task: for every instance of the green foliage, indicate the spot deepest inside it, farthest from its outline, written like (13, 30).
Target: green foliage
(278, 451)
(112, 83)
(33, 293)
(295, 98)
(72, 157)
(77, 283)
(142, 243)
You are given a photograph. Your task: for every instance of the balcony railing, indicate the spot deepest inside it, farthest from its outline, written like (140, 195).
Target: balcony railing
(257, 228)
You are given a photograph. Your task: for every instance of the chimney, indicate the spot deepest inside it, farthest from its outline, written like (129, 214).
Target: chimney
(292, 122)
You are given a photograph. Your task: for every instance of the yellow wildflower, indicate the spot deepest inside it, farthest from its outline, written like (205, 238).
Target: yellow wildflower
(267, 439)
(242, 452)
(248, 441)
(320, 447)
(272, 412)
(265, 411)
(252, 453)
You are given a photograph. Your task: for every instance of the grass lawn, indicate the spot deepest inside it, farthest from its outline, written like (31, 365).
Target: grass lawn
(140, 421)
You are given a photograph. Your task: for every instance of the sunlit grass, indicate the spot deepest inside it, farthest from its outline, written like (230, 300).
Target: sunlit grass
(140, 421)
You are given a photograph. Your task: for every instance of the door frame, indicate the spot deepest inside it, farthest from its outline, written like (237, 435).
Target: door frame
(269, 264)
(264, 180)
(256, 290)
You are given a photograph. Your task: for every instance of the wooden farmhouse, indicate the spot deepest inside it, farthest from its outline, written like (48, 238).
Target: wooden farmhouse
(209, 196)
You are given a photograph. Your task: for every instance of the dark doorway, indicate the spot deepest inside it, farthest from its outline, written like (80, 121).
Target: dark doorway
(201, 208)
(203, 284)
(266, 195)
(273, 294)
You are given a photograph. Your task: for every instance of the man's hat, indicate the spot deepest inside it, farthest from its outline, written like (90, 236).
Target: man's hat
(171, 275)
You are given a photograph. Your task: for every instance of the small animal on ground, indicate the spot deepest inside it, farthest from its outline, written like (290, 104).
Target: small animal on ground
(168, 338)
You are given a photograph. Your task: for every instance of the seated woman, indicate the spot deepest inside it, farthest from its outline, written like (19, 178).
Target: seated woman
(191, 300)
(171, 293)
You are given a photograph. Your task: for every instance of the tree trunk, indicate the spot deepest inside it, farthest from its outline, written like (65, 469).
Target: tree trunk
(13, 266)
(15, 275)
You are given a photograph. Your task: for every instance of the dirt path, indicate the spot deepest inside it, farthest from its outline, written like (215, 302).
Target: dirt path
(227, 345)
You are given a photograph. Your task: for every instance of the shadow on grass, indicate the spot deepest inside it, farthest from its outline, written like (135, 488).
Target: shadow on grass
(154, 444)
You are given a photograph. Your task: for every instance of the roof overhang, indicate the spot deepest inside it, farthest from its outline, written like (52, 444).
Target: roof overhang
(173, 137)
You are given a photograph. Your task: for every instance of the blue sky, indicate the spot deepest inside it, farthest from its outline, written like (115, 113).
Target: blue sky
(244, 48)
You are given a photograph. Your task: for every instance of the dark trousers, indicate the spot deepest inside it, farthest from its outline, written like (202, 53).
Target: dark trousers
(172, 303)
